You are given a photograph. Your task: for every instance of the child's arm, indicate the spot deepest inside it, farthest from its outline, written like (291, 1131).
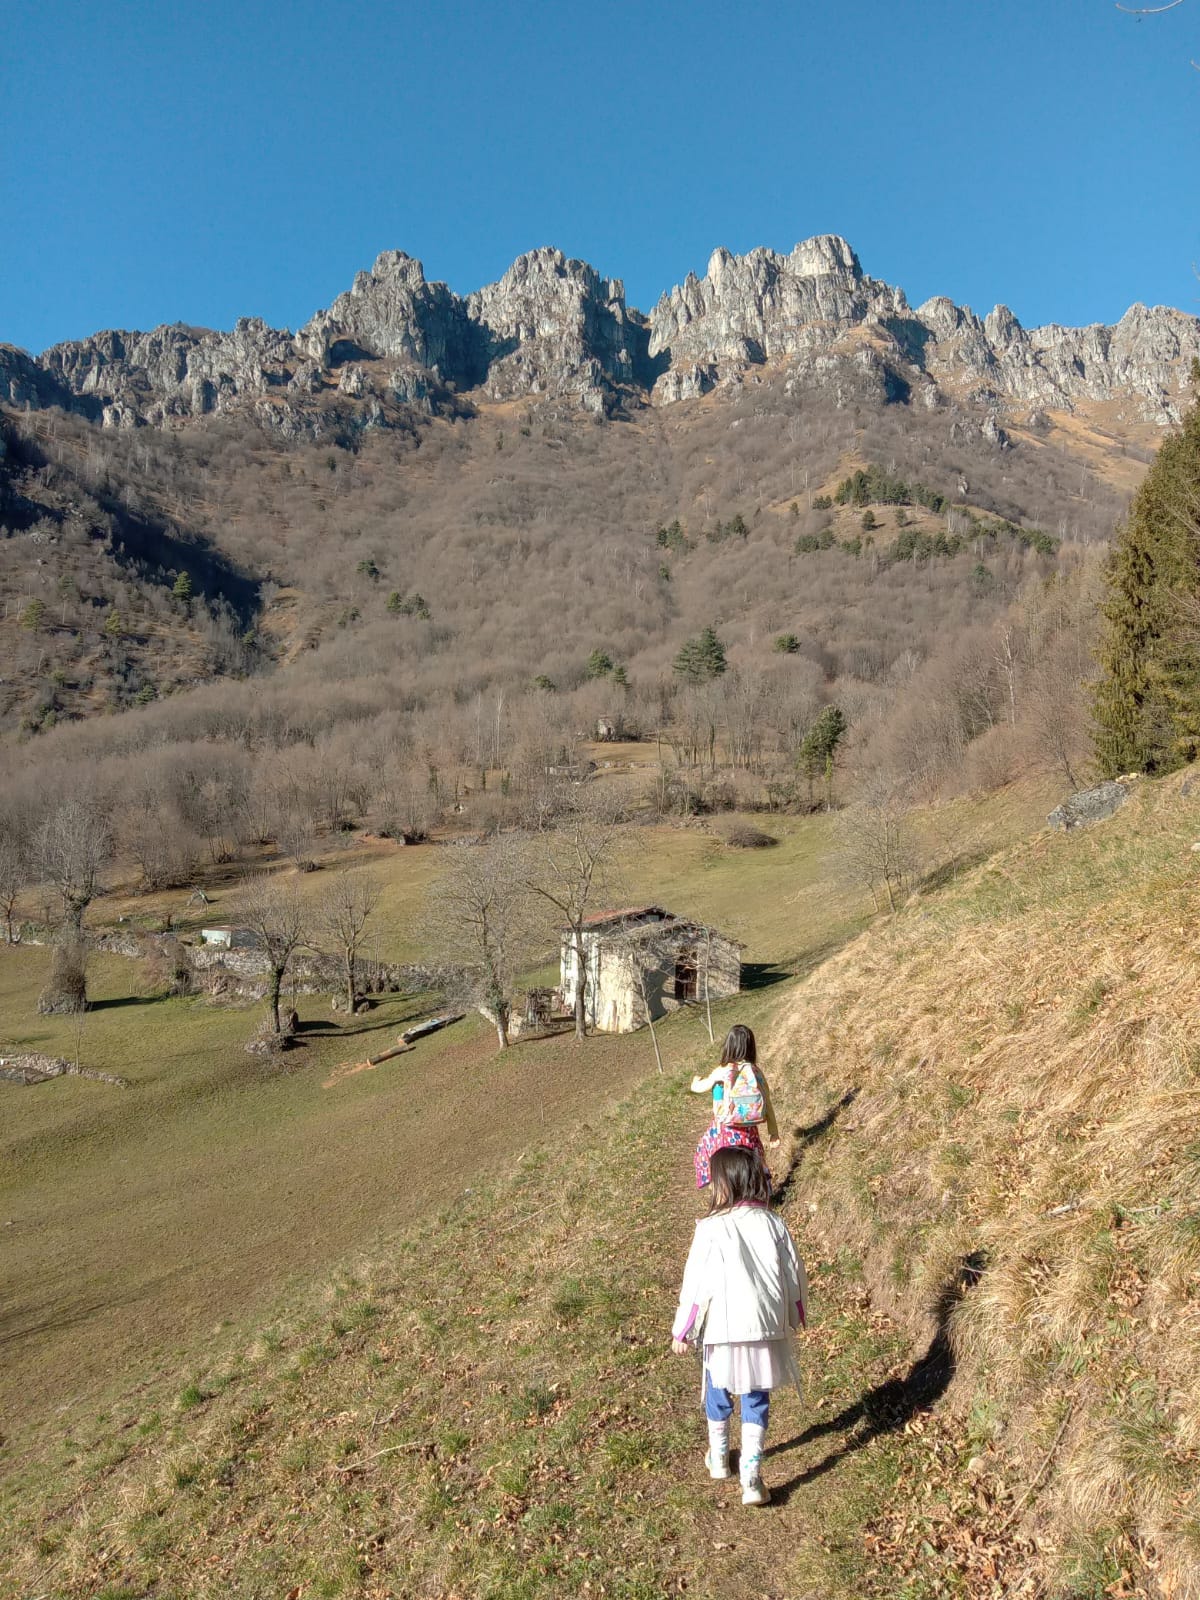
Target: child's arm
(703, 1085)
(772, 1125)
(691, 1296)
(795, 1283)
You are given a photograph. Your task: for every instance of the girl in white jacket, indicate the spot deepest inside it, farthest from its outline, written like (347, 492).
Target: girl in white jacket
(744, 1294)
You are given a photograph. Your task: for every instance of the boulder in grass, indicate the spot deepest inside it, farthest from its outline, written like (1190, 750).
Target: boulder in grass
(1089, 805)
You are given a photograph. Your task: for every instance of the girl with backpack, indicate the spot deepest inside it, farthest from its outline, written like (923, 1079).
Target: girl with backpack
(744, 1295)
(741, 1102)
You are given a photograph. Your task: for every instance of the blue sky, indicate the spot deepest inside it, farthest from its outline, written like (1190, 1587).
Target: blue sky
(197, 160)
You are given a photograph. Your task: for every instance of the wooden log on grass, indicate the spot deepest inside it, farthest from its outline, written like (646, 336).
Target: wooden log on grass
(432, 1026)
(386, 1055)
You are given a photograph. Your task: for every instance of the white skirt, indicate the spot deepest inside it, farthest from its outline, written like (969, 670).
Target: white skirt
(759, 1364)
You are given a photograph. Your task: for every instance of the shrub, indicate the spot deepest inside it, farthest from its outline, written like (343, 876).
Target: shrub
(65, 993)
(742, 836)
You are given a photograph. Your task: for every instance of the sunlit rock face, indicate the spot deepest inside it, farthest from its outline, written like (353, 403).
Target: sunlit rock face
(797, 308)
(395, 345)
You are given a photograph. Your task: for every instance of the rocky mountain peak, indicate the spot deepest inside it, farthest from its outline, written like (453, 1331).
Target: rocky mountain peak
(552, 325)
(761, 307)
(826, 253)
(392, 311)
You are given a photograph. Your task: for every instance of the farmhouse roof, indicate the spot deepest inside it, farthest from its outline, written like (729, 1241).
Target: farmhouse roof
(601, 919)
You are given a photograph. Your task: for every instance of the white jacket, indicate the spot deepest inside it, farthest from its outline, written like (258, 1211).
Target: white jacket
(743, 1280)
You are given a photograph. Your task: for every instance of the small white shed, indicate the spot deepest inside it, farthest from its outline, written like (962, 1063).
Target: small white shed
(225, 938)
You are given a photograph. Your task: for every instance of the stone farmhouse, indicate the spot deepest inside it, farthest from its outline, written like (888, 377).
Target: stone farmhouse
(646, 957)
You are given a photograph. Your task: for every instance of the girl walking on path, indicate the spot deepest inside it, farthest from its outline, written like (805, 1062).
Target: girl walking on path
(744, 1294)
(739, 1067)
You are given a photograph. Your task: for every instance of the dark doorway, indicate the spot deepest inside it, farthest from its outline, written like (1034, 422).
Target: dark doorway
(685, 975)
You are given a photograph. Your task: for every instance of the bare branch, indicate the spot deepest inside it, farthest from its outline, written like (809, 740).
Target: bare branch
(275, 914)
(346, 908)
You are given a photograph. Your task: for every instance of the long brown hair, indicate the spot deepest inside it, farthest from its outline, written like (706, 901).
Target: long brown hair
(739, 1046)
(739, 1176)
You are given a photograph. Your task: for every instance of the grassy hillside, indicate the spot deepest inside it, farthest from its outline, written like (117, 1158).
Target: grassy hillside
(1021, 1057)
(991, 1164)
(486, 1407)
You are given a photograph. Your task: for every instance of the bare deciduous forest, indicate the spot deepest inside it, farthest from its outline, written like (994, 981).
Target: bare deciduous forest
(253, 641)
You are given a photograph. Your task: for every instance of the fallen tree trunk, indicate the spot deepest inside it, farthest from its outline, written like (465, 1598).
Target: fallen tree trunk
(386, 1055)
(432, 1026)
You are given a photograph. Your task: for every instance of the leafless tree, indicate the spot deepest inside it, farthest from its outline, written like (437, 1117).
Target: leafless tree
(1056, 714)
(70, 848)
(274, 913)
(876, 843)
(14, 874)
(705, 946)
(481, 922)
(573, 866)
(296, 837)
(347, 905)
(155, 836)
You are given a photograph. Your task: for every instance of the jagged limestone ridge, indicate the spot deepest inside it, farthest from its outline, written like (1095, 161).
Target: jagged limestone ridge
(552, 325)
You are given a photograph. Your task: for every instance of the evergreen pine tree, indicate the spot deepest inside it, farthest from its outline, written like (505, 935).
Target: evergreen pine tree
(712, 654)
(1147, 701)
(701, 658)
(818, 750)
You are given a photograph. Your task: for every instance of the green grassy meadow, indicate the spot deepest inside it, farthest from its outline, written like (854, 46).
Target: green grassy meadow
(484, 1406)
(155, 1240)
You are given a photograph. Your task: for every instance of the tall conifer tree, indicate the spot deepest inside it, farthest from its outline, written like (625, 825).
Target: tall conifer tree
(1147, 701)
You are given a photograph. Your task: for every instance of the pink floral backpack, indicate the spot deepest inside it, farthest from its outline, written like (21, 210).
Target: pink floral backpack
(742, 1105)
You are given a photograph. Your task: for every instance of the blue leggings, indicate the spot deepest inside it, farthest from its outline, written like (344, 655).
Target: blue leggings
(718, 1404)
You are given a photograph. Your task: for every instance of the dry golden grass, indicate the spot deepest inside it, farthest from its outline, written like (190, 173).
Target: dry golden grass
(1029, 1090)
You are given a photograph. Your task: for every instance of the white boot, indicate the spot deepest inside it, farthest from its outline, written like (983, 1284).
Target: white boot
(717, 1459)
(754, 1492)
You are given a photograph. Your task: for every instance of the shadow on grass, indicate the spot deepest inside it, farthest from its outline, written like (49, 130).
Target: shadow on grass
(762, 974)
(946, 874)
(25, 1322)
(548, 1034)
(808, 1136)
(127, 1000)
(368, 1022)
(886, 1408)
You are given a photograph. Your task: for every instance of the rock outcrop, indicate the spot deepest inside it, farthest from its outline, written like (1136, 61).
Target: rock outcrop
(1090, 805)
(816, 302)
(763, 306)
(554, 326)
(27, 385)
(393, 312)
(395, 345)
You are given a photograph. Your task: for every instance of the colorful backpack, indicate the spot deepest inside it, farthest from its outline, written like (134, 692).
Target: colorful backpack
(743, 1105)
